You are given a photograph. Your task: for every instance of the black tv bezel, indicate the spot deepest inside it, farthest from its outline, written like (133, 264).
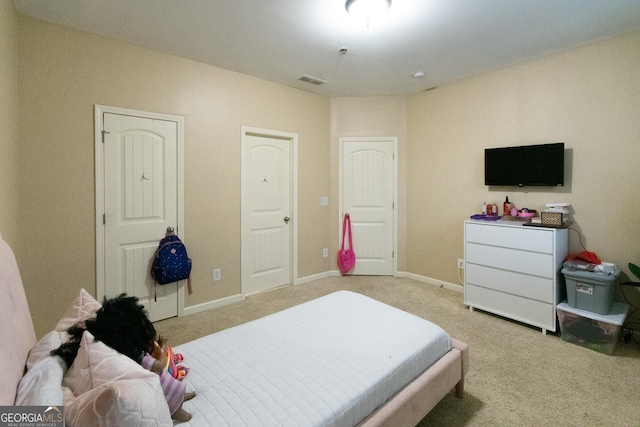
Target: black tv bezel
(521, 168)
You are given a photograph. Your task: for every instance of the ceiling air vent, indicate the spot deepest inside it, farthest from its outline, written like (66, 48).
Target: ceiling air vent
(313, 80)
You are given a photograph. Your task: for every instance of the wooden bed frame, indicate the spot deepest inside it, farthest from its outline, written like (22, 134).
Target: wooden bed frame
(406, 408)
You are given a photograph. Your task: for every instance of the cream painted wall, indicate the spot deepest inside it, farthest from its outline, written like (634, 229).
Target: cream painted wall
(63, 73)
(370, 116)
(589, 98)
(9, 194)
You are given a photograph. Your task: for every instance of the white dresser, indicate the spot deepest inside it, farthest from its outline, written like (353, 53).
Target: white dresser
(514, 271)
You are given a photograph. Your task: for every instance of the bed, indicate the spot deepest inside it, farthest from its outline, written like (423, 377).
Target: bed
(340, 360)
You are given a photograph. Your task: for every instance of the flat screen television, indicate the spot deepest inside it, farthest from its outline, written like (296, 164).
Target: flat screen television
(527, 165)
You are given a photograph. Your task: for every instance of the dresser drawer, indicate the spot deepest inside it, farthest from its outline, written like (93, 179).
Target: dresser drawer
(533, 263)
(514, 307)
(512, 270)
(522, 238)
(525, 285)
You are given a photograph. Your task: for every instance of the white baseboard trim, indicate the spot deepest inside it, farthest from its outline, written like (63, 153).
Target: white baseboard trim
(416, 277)
(302, 280)
(431, 281)
(307, 279)
(239, 297)
(193, 309)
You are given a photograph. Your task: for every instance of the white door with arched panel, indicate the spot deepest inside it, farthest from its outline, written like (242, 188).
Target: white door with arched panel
(139, 182)
(368, 193)
(268, 220)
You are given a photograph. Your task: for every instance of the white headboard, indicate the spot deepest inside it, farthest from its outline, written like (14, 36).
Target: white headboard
(17, 335)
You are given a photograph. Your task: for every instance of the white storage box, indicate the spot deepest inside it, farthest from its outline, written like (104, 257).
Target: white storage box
(599, 332)
(590, 291)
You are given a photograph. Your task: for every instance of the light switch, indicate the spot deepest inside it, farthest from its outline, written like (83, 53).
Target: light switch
(324, 201)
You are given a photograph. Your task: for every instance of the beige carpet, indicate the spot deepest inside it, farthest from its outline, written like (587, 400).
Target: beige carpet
(518, 376)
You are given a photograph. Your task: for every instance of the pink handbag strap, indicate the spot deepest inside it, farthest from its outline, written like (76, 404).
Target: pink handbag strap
(346, 227)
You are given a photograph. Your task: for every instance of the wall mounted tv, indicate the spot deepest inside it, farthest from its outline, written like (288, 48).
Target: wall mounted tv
(527, 165)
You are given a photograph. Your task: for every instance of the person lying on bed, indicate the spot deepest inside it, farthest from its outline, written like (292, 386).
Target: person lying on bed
(123, 324)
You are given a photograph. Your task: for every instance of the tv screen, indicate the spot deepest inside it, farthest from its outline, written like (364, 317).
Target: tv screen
(527, 165)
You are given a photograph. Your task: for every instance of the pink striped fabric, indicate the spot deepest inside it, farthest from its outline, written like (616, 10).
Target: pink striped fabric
(173, 389)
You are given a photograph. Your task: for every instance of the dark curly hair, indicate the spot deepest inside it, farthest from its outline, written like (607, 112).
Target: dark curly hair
(121, 323)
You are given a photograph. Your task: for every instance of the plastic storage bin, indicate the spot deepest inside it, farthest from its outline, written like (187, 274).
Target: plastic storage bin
(599, 332)
(590, 291)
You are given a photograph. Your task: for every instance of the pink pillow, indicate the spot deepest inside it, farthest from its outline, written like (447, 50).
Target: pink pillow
(97, 363)
(43, 348)
(132, 403)
(108, 388)
(82, 308)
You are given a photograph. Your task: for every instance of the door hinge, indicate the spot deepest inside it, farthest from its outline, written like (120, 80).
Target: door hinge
(104, 219)
(393, 254)
(103, 132)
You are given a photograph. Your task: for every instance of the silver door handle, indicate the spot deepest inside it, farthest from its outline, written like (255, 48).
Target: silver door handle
(286, 219)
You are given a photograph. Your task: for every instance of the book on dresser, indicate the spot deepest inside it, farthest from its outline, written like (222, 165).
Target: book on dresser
(514, 271)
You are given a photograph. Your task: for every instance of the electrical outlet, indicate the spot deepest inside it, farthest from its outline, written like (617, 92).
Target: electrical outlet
(461, 263)
(325, 252)
(216, 275)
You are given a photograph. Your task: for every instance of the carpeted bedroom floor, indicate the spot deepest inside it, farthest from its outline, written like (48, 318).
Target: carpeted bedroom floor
(518, 376)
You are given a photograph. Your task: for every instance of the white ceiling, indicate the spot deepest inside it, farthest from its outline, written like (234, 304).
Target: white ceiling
(281, 40)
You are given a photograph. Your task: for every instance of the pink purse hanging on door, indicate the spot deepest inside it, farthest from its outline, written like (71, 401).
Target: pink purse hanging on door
(346, 257)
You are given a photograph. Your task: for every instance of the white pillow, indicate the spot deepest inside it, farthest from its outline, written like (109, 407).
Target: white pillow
(109, 388)
(41, 385)
(43, 348)
(83, 307)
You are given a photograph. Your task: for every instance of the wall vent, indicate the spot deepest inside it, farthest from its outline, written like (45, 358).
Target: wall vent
(313, 80)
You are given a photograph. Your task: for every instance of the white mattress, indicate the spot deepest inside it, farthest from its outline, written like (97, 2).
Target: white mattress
(328, 362)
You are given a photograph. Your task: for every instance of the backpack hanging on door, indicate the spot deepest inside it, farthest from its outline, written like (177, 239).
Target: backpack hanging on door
(171, 263)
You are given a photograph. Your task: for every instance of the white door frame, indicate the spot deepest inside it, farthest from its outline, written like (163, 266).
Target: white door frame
(245, 204)
(394, 140)
(99, 110)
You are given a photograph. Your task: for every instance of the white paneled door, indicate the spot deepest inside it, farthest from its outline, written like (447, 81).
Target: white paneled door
(266, 210)
(368, 188)
(141, 197)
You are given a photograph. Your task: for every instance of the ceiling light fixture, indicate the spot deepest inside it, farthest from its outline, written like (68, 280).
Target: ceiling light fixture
(367, 9)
